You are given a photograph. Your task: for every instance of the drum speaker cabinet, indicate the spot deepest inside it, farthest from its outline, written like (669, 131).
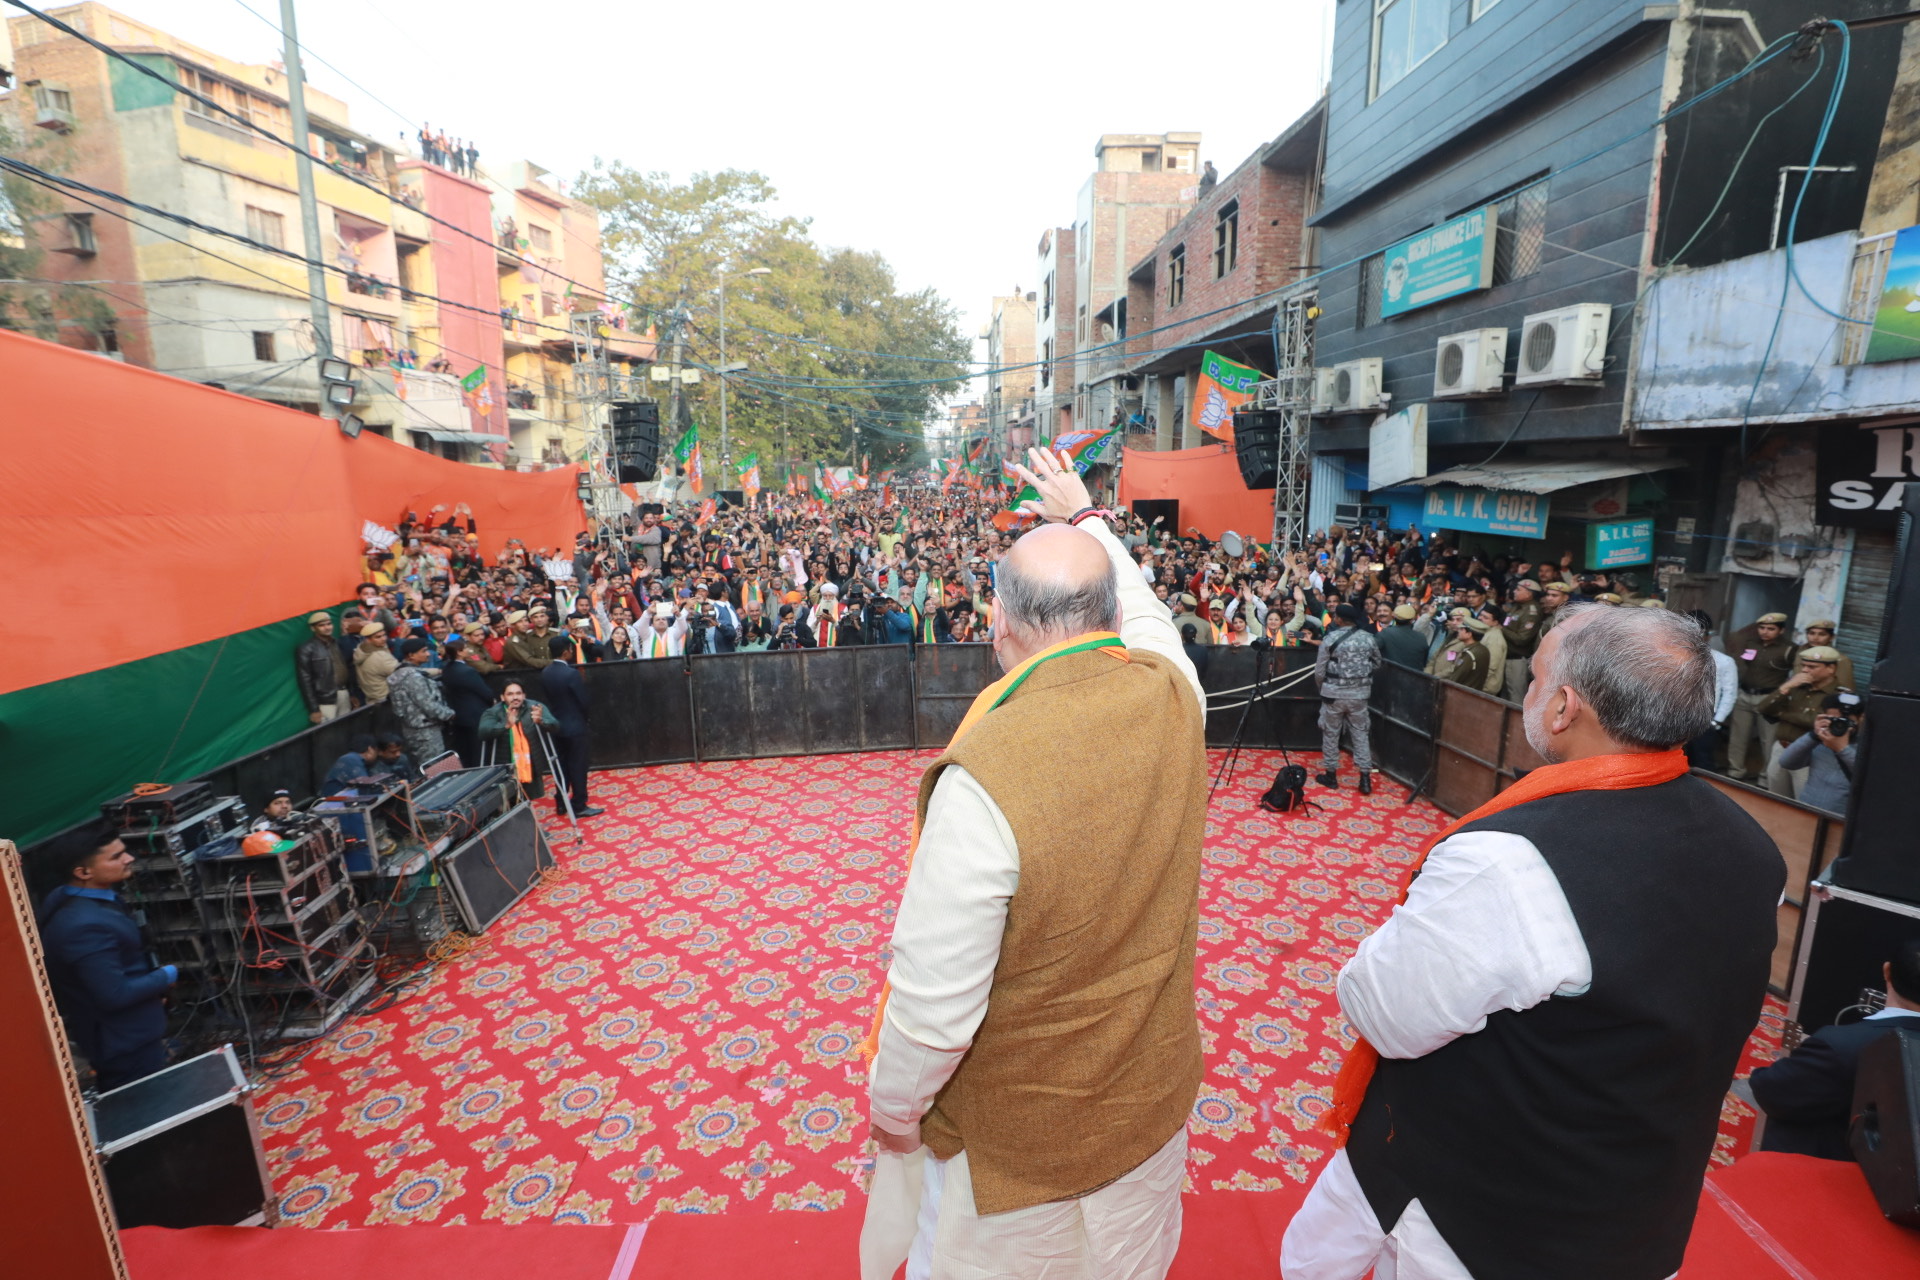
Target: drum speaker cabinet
(500, 865)
(1885, 1131)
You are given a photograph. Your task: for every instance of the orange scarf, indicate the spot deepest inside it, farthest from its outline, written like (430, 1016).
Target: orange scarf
(522, 753)
(989, 698)
(1596, 773)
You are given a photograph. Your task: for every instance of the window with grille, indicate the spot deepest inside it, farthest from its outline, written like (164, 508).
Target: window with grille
(1372, 272)
(1046, 297)
(540, 238)
(1520, 220)
(263, 345)
(1176, 275)
(1226, 238)
(1046, 363)
(266, 227)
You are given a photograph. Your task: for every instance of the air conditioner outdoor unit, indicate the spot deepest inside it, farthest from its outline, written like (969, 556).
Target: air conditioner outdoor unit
(1322, 391)
(1564, 346)
(1470, 364)
(1356, 387)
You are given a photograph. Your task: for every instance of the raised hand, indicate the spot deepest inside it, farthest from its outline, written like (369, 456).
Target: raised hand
(1062, 491)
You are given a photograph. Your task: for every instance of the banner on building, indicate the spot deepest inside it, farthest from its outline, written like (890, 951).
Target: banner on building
(1517, 515)
(1616, 544)
(1861, 472)
(1896, 321)
(1443, 262)
(1222, 386)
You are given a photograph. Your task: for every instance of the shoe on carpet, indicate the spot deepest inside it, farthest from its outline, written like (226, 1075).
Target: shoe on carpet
(589, 812)
(1327, 779)
(1366, 782)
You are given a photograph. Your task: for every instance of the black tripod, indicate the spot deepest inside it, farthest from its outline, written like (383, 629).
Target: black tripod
(1261, 675)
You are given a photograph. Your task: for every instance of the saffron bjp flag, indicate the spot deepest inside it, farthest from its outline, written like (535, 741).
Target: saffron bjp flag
(688, 454)
(473, 381)
(1087, 448)
(748, 470)
(1221, 387)
(707, 509)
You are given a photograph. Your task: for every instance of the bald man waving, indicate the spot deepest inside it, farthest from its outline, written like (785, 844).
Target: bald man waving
(1038, 1035)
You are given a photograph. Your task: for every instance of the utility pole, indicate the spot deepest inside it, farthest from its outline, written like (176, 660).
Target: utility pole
(309, 209)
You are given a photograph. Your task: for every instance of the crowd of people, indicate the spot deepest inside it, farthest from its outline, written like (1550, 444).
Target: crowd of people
(449, 153)
(917, 564)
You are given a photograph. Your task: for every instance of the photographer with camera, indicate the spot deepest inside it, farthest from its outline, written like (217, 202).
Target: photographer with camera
(1793, 708)
(1823, 757)
(792, 631)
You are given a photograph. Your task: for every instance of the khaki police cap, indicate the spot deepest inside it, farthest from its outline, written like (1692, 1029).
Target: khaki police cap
(1821, 624)
(1777, 619)
(1820, 653)
(1406, 613)
(1477, 624)
(1564, 588)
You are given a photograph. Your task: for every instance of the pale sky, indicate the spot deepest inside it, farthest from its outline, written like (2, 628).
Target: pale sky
(946, 137)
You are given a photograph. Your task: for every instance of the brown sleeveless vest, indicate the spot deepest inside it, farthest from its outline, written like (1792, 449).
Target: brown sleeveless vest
(1088, 1059)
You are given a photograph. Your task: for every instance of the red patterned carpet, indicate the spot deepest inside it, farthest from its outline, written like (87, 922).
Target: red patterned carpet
(671, 1027)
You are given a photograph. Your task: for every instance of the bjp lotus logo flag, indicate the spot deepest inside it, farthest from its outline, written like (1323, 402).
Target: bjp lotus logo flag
(1222, 387)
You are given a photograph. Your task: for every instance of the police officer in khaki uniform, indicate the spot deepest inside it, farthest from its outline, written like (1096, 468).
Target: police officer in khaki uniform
(1552, 597)
(1821, 633)
(1463, 659)
(1496, 645)
(1763, 658)
(1521, 627)
(1793, 707)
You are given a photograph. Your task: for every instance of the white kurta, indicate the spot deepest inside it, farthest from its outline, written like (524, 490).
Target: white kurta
(946, 944)
(1485, 927)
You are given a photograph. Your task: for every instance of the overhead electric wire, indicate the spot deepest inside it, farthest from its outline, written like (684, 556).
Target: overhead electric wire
(176, 87)
(293, 326)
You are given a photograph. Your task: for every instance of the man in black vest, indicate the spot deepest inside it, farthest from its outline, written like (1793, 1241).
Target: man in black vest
(567, 696)
(1808, 1095)
(1559, 1005)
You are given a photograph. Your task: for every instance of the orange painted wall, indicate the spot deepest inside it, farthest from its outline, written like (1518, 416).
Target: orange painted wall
(1206, 481)
(142, 513)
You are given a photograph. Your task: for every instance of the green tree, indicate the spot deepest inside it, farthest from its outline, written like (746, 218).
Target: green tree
(27, 303)
(839, 361)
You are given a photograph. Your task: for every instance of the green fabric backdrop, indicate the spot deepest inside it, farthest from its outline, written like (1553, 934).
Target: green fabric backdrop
(67, 746)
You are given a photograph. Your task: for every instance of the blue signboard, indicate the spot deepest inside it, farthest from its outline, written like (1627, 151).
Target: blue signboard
(1614, 544)
(1518, 515)
(1443, 262)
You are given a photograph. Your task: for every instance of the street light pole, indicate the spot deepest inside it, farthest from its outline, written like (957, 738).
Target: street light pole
(726, 444)
(309, 209)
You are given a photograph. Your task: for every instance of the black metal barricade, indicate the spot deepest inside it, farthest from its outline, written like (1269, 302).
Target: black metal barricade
(1406, 717)
(1286, 711)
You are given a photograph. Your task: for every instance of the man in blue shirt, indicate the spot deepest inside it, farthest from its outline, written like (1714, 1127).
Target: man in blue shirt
(356, 764)
(110, 995)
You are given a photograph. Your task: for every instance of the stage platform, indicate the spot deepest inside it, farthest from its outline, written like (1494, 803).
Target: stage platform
(671, 1027)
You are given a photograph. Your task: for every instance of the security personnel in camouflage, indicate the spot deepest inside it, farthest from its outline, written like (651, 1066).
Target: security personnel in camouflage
(1463, 659)
(1793, 707)
(1521, 626)
(1763, 659)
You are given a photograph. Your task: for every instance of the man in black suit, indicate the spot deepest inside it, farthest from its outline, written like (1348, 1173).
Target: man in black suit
(1808, 1095)
(468, 694)
(567, 697)
(110, 995)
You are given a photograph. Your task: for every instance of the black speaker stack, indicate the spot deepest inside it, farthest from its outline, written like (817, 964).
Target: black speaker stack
(1880, 854)
(1256, 445)
(636, 439)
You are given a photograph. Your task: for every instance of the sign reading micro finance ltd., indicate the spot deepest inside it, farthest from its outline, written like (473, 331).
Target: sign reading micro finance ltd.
(1518, 515)
(1444, 262)
(1862, 471)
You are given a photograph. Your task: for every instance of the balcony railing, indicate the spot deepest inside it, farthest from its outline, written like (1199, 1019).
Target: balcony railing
(369, 286)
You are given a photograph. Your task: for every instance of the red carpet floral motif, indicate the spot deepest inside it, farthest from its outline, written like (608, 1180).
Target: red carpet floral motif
(671, 1028)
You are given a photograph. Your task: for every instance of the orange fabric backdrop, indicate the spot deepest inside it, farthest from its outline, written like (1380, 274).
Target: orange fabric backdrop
(141, 513)
(1206, 481)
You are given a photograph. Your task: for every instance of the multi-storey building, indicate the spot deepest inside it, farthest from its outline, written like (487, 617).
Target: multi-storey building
(1214, 281)
(413, 259)
(1502, 188)
(557, 319)
(1010, 370)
